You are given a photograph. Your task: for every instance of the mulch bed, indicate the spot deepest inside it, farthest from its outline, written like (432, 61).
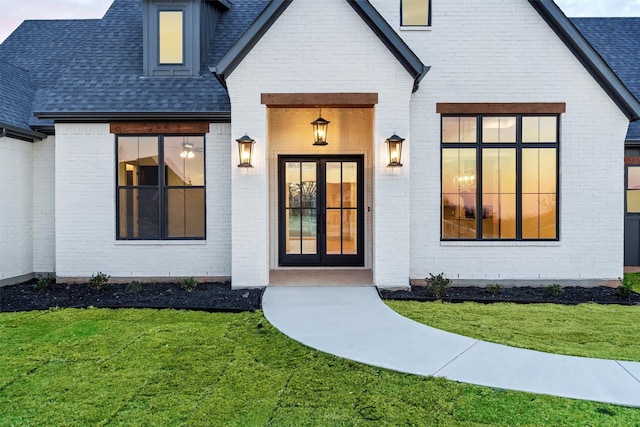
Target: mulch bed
(519, 295)
(219, 297)
(206, 297)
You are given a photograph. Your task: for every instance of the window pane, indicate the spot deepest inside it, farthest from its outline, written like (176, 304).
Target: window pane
(333, 190)
(184, 161)
(415, 12)
(185, 213)
(308, 222)
(539, 216)
(499, 170)
(633, 178)
(548, 216)
(633, 201)
(539, 170)
(137, 161)
(171, 35)
(334, 242)
(139, 214)
(499, 193)
(499, 216)
(459, 193)
(293, 184)
(539, 187)
(459, 129)
(539, 129)
(498, 129)
(349, 184)
(292, 228)
(349, 231)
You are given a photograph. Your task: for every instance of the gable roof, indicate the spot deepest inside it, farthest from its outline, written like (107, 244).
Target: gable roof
(589, 57)
(617, 41)
(365, 10)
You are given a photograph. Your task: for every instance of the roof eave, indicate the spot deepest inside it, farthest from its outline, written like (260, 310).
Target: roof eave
(391, 40)
(589, 58)
(20, 133)
(101, 117)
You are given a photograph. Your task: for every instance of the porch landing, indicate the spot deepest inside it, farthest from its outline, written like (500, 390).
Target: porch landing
(355, 324)
(321, 277)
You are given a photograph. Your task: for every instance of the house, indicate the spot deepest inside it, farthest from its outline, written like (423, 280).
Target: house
(230, 139)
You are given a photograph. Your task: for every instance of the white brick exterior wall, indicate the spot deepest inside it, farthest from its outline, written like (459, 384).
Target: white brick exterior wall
(16, 207)
(86, 213)
(312, 51)
(490, 51)
(44, 239)
(502, 51)
(479, 51)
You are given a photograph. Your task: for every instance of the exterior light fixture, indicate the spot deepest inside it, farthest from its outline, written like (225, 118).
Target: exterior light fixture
(320, 128)
(187, 151)
(245, 147)
(394, 146)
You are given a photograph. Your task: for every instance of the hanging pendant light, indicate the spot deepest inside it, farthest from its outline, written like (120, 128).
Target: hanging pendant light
(187, 151)
(320, 129)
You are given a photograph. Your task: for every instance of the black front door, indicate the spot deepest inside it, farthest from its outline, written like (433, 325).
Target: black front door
(320, 210)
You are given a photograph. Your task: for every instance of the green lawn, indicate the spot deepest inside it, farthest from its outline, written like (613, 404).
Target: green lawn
(146, 367)
(635, 279)
(589, 330)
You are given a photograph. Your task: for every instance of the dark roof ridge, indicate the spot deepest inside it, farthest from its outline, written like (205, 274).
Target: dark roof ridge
(589, 57)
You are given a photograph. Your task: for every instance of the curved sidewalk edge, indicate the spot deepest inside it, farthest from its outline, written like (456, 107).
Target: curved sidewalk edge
(354, 323)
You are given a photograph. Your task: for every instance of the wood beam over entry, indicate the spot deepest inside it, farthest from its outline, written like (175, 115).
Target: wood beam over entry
(502, 108)
(328, 100)
(179, 128)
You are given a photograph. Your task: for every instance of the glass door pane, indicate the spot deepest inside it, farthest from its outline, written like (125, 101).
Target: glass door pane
(341, 208)
(300, 208)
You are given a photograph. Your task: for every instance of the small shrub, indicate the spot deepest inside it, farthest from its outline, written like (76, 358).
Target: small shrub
(44, 281)
(625, 288)
(555, 290)
(136, 286)
(98, 280)
(437, 284)
(189, 284)
(494, 289)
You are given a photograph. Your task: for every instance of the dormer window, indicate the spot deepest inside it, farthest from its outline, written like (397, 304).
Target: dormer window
(415, 13)
(171, 36)
(176, 35)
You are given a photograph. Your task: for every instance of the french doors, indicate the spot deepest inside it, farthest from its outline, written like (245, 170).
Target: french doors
(321, 210)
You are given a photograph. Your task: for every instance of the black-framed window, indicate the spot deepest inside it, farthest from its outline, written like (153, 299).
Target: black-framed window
(415, 13)
(499, 177)
(160, 187)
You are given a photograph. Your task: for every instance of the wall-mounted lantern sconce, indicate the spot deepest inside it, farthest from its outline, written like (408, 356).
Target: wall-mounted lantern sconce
(394, 146)
(187, 151)
(245, 147)
(320, 129)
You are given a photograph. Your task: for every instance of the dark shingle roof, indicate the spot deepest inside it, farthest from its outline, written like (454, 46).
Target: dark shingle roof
(617, 41)
(96, 66)
(15, 85)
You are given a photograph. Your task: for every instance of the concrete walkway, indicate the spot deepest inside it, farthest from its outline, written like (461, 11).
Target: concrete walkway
(355, 324)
